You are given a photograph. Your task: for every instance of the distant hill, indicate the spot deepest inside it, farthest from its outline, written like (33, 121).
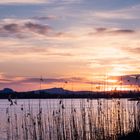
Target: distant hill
(53, 91)
(7, 91)
(62, 93)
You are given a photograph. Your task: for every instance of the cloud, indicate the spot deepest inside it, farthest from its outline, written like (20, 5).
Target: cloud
(43, 18)
(133, 79)
(4, 79)
(123, 31)
(128, 13)
(134, 50)
(19, 2)
(48, 80)
(111, 31)
(11, 28)
(13, 80)
(32, 83)
(18, 47)
(24, 29)
(29, 28)
(37, 28)
(111, 60)
(26, 80)
(7, 79)
(8, 2)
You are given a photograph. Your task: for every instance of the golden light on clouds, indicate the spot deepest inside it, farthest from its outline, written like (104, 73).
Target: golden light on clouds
(64, 39)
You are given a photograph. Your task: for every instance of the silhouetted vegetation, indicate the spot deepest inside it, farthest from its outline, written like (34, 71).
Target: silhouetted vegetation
(89, 120)
(42, 94)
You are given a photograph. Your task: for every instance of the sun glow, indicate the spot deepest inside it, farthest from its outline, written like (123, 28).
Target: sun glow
(117, 71)
(119, 88)
(112, 81)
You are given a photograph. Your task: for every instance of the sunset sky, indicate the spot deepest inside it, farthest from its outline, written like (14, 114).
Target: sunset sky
(78, 41)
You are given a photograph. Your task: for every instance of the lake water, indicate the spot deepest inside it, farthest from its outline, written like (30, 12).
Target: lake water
(54, 119)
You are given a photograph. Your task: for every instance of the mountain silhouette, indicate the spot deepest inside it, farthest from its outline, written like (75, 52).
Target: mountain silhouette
(7, 91)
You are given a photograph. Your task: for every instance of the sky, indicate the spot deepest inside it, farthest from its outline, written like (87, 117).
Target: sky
(83, 42)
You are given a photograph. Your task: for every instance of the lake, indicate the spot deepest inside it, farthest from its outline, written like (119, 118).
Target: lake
(67, 119)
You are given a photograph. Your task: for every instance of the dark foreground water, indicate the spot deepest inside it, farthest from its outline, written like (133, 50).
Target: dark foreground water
(67, 119)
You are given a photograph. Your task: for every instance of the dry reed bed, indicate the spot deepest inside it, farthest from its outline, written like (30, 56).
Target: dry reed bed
(87, 120)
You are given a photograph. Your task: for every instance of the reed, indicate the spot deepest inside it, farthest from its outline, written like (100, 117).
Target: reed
(88, 120)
